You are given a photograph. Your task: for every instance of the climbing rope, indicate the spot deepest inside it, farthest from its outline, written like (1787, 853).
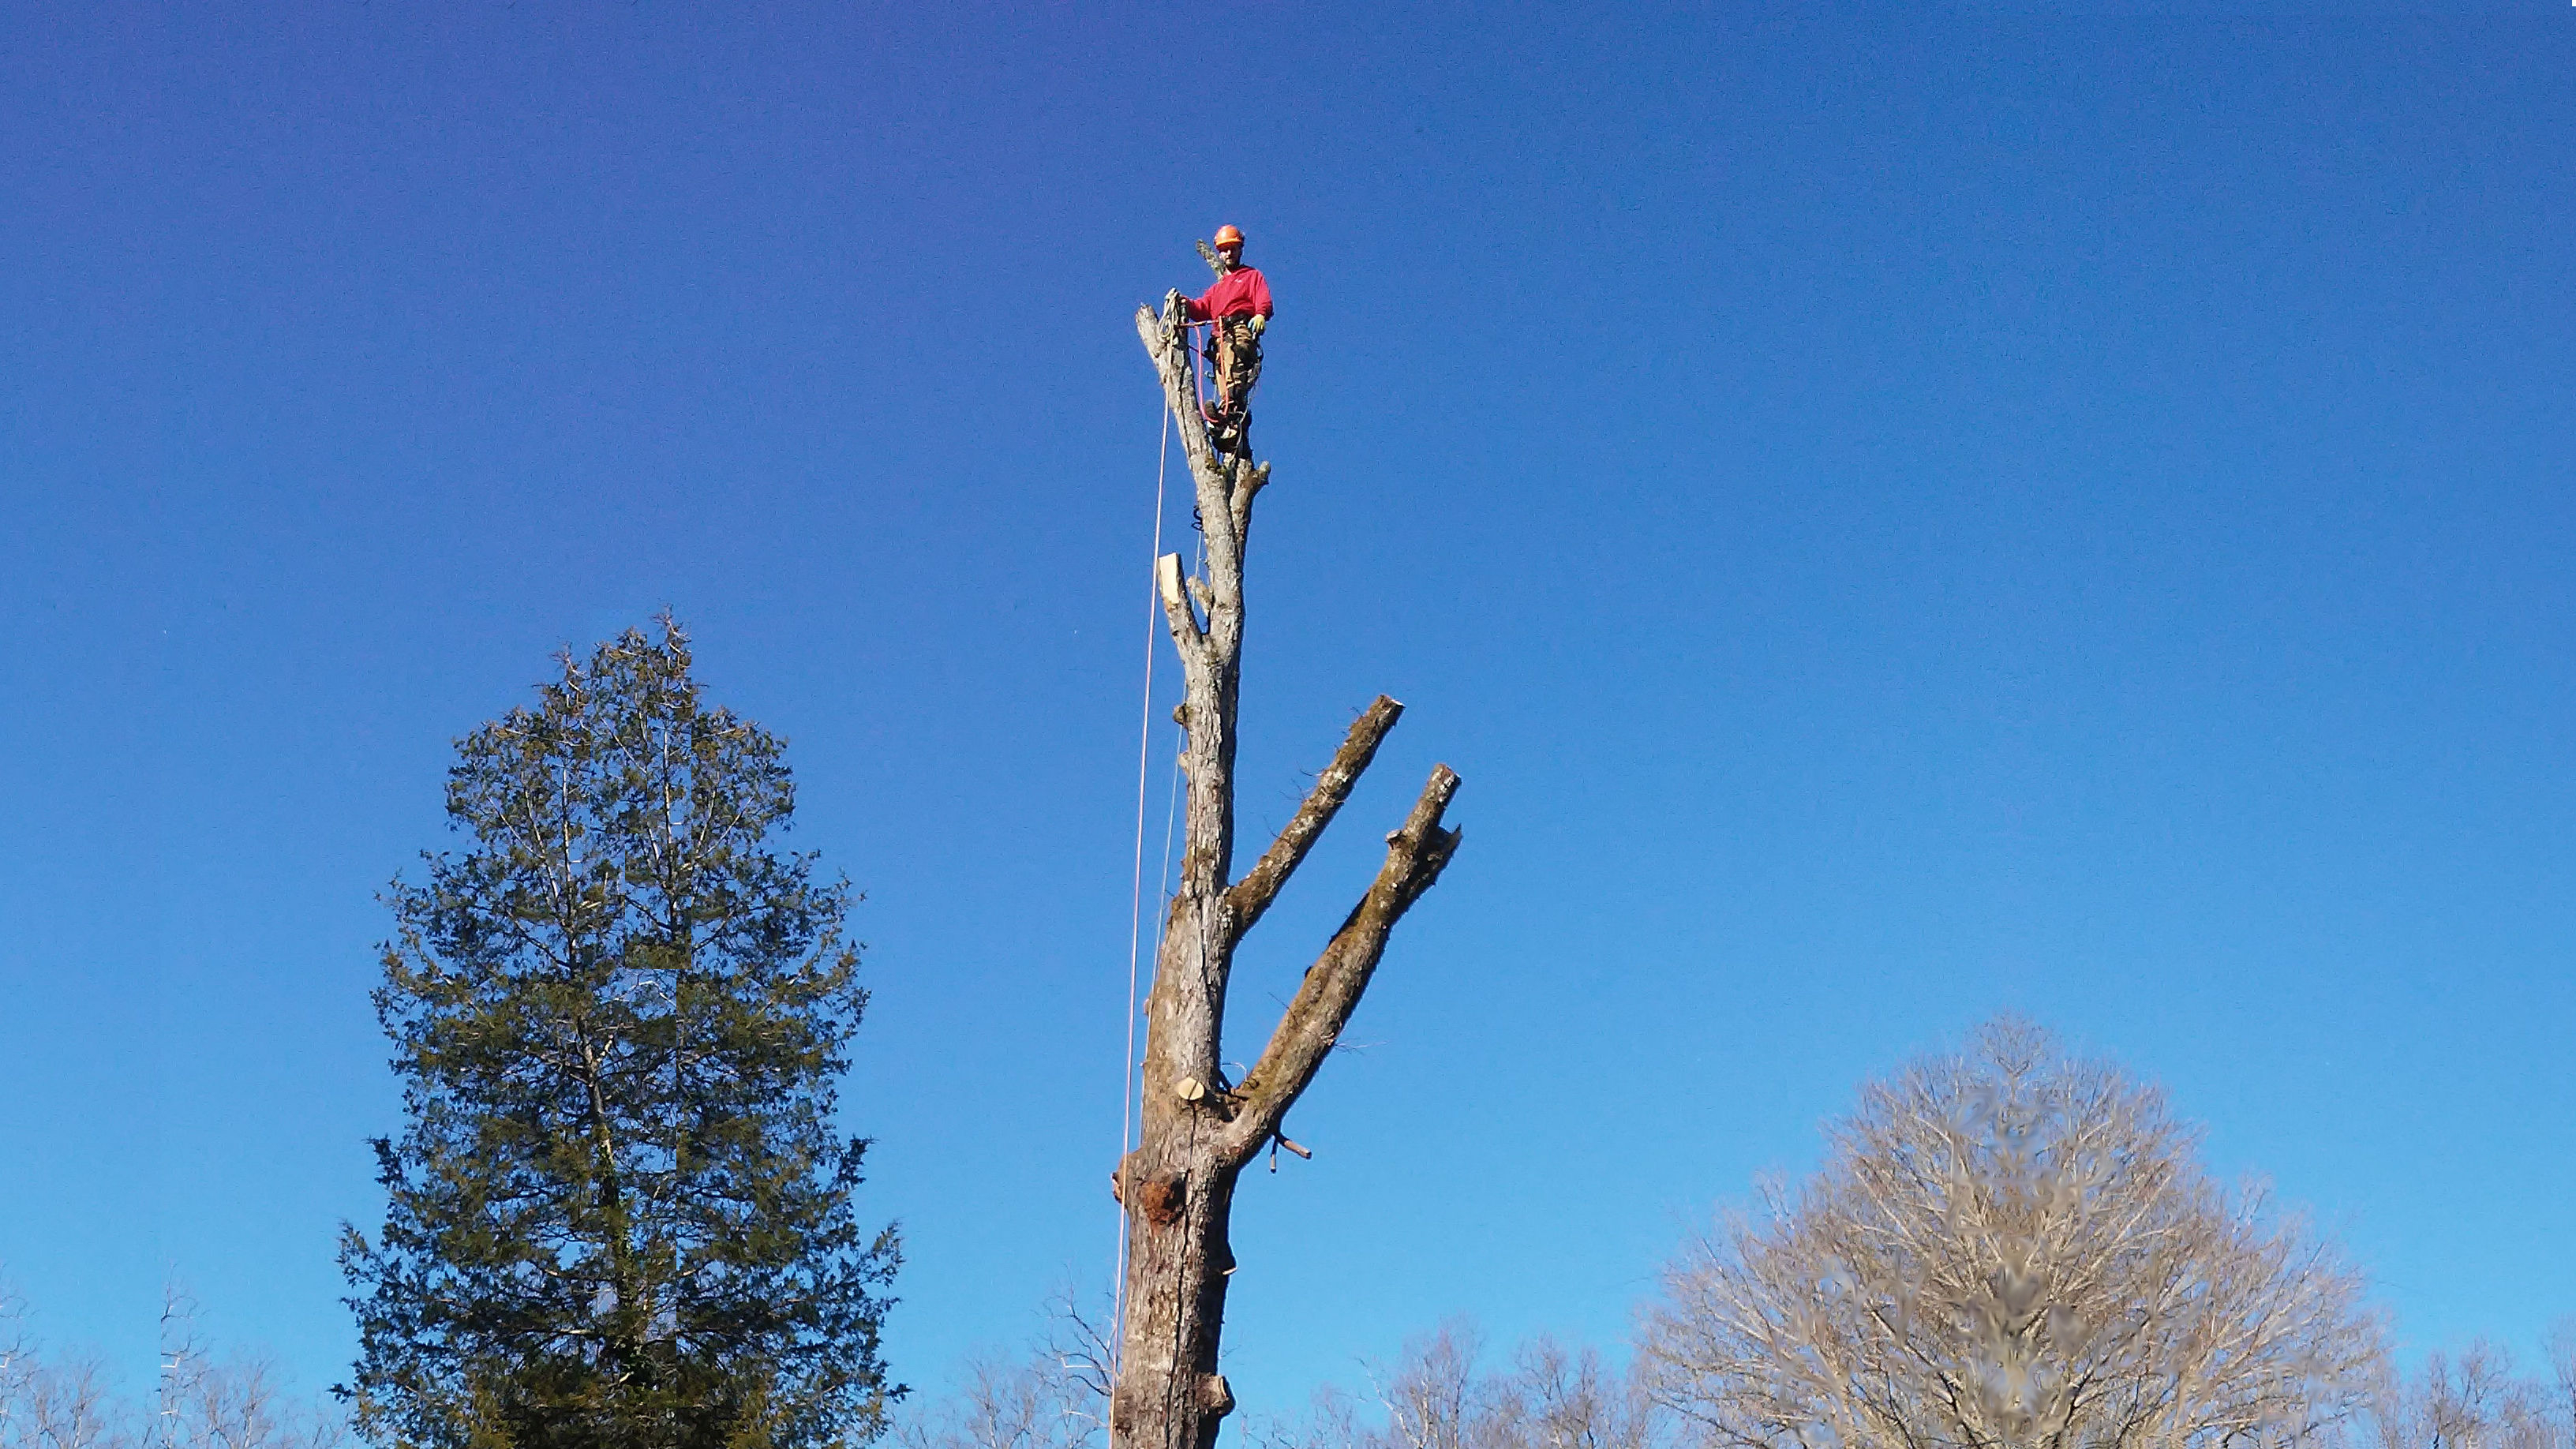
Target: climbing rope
(1136, 897)
(1127, 1102)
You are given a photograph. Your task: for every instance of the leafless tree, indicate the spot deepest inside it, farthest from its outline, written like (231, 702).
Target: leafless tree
(59, 1405)
(1054, 1396)
(1566, 1399)
(1005, 1403)
(64, 1404)
(1434, 1396)
(238, 1404)
(2561, 1346)
(1199, 1130)
(2474, 1401)
(202, 1402)
(17, 1355)
(1431, 1396)
(2010, 1248)
(233, 1401)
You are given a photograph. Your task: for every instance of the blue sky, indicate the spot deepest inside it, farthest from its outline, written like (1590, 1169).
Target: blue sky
(1897, 514)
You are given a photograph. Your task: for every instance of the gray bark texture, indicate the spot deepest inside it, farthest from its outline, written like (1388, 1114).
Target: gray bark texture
(1199, 1130)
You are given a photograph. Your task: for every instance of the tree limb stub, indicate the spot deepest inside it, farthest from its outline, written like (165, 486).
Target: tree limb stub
(1253, 894)
(1415, 856)
(1249, 479)
(1176, 602)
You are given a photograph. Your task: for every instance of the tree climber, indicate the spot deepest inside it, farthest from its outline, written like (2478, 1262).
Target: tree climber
(1239, 304)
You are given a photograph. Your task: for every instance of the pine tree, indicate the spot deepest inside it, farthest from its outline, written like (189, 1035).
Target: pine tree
(620, 1215)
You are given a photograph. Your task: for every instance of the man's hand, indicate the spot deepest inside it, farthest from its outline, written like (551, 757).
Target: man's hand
(1174, 302)
(1260, 324)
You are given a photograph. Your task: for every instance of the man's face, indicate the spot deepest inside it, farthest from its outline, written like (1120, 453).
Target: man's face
(1231, 255)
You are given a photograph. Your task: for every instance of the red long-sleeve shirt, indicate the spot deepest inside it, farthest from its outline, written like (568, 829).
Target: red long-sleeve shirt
(1239, 293)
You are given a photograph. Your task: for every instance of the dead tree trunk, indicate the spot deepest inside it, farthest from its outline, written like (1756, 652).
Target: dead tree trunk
(1199, 1129)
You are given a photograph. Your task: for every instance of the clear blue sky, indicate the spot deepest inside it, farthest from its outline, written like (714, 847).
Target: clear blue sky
(1896, 515)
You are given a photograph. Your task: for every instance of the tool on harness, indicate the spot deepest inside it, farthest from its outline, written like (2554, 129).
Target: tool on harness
(1225, 426)
(1232, 354)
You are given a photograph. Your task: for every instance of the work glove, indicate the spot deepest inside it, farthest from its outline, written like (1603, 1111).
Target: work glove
(1259, 324)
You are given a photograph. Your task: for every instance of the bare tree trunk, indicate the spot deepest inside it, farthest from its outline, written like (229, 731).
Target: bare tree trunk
(1199, 1129)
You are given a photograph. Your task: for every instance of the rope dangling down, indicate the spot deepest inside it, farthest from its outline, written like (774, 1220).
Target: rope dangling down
(1127, 1084)
(1136, 901)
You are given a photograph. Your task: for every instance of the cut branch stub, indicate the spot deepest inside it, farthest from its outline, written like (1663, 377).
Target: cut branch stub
(1175, 594)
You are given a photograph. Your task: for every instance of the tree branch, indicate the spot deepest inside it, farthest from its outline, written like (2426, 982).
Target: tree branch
(1252, 896)
(1176, 603)
(1415, 856)
(1249, 479)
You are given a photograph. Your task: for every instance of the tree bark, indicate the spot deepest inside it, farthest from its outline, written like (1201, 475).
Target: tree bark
(1199, 1130)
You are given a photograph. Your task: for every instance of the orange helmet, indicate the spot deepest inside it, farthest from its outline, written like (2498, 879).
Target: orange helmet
(1229, 235)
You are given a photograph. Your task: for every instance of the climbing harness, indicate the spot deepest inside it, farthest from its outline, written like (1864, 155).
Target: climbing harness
(1204, 388)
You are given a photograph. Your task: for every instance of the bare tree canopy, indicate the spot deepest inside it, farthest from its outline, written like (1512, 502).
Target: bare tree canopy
(1055, 1395)
(2477, 1401)
(2007, 1247)
(1435, 1396)
(203, 1402)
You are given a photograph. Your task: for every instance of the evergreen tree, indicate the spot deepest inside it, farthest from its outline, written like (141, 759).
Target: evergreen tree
(620, 1216)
